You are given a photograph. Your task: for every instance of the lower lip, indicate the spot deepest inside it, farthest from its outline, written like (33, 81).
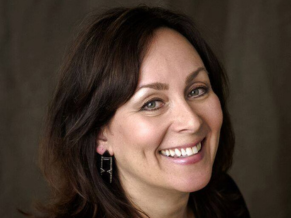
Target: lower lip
(188, 160)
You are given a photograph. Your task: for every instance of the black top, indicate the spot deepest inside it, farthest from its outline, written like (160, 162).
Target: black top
(225, 197)
(238, 202)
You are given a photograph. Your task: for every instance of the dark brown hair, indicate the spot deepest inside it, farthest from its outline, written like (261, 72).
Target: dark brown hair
(100, 74)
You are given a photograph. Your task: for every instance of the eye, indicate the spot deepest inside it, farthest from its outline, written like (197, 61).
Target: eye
(197, 92)
(152, 105)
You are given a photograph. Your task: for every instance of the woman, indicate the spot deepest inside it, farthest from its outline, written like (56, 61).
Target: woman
(139, 126)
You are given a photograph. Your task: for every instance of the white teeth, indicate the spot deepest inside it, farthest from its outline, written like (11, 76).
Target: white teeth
(178, 153)
(189, 151)
(199, 146)
(195, 150)
(172, 153)
(182, 152)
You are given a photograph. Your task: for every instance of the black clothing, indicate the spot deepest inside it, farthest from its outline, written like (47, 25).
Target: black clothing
(227, 200)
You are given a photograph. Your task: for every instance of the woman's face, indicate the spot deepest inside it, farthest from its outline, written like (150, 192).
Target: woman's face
(155, 136)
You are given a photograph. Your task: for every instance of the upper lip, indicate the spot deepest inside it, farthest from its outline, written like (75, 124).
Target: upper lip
(184, 145)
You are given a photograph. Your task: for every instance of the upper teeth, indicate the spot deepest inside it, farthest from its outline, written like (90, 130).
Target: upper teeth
(178, 152)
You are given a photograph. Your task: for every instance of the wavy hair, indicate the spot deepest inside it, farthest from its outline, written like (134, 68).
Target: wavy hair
(100, 74)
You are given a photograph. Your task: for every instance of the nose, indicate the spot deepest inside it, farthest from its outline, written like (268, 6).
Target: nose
(186, 118)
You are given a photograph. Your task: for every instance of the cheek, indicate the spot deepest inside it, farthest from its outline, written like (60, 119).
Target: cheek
(214, 115)
(214, 121)
(136, 135)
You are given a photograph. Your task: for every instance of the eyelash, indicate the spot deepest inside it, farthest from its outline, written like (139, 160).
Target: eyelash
(144, 107)
(204, 91)
(151, 101)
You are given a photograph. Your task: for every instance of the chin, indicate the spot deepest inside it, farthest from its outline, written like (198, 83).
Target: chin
(195, 182)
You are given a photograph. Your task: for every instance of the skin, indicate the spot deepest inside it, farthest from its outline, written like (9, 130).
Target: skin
(182, 109)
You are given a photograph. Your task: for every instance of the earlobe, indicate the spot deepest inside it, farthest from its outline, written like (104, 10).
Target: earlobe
(102, 144)
(100, 149)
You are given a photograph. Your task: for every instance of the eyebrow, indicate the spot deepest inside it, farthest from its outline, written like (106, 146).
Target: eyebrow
(192, 76)
(164, 86)
(157, 86)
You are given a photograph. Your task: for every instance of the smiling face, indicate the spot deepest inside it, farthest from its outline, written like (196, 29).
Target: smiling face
(156, 135)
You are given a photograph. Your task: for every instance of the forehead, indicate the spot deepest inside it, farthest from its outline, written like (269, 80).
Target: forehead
(169, 53)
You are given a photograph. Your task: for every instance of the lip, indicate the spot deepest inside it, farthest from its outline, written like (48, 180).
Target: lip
(188, 160)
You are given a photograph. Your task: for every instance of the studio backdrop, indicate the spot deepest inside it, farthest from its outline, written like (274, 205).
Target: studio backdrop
(252, 40)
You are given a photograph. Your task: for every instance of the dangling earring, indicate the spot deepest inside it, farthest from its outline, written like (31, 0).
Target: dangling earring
(105, 168)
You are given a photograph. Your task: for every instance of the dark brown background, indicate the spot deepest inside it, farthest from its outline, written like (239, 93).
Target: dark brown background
(252, 38)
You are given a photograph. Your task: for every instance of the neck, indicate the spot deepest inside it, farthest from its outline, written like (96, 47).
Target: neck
(159, 203)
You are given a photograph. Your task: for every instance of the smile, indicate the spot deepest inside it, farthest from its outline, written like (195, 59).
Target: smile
(182, 152)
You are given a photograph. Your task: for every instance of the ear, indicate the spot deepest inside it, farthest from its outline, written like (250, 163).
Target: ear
(102, 143)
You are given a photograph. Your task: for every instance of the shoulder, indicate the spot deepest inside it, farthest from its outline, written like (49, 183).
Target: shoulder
(233, 197)
(220, 198)
(228, 184)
